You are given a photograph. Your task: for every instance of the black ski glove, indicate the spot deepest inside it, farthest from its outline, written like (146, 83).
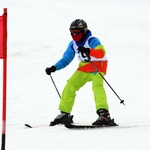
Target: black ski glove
(50, 70)
(85, 52)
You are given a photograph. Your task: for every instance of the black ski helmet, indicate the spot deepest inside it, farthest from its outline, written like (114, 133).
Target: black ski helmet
(79, 24)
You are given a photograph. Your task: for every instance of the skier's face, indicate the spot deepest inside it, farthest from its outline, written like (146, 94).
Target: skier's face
(76, 34)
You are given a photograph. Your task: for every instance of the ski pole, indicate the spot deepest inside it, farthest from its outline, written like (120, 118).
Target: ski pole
(55, 86)
(121, 101)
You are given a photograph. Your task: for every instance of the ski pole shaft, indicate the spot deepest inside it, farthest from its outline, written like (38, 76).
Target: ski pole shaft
(121, 101)
(55, 86)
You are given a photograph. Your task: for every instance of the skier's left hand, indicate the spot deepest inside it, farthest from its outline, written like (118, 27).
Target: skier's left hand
(84, 50)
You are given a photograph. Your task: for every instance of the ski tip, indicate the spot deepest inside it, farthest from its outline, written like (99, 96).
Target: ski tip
(27, 125)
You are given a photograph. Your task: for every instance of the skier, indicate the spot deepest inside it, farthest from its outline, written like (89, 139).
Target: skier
(92, 60)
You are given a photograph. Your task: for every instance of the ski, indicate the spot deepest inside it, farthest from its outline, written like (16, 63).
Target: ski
(27, 125)
(36, 126)
(74, 126)
(70, 125)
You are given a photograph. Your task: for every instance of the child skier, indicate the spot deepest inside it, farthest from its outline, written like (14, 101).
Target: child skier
(92, 60)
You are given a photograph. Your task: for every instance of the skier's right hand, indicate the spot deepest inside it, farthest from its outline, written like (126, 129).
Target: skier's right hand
(50, 70)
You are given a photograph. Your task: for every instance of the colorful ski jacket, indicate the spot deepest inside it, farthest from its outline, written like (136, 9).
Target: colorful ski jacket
(97, 55)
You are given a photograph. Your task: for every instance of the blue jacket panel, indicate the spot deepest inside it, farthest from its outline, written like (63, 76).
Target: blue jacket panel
(69, 54)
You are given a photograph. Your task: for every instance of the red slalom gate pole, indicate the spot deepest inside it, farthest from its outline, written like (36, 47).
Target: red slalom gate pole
(4, 78)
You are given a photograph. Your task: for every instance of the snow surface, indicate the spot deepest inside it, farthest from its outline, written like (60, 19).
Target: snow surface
(37, 37)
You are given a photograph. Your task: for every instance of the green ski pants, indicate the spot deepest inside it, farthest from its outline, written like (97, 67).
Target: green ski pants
(77, 80)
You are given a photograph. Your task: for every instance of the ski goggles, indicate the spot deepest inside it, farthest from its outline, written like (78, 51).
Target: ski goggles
(75, 32)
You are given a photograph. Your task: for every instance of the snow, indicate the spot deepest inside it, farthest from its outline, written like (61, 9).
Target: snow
(37, 37)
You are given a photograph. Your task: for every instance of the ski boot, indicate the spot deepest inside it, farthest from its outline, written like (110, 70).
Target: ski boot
(104, 119)
(62, 119)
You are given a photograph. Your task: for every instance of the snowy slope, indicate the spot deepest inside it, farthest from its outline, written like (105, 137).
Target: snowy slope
(37, 37)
